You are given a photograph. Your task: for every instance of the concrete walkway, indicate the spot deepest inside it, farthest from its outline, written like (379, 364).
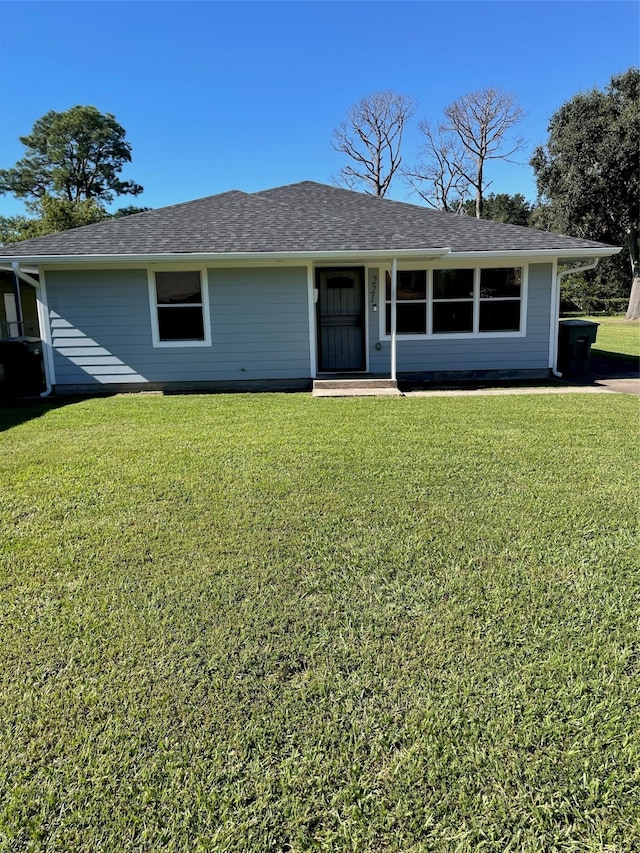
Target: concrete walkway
(542, 389)
(607, 386)
(608, 376)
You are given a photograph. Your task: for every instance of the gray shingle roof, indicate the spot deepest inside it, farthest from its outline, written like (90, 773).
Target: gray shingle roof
(303, 217)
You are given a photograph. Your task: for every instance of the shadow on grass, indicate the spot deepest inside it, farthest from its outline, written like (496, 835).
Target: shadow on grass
(616, 356)
(14, 412)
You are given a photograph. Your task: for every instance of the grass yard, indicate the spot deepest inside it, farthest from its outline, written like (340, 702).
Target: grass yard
(617, 337)
(277, 623)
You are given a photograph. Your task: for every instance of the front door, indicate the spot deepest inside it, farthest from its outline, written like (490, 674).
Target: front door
(340, 313)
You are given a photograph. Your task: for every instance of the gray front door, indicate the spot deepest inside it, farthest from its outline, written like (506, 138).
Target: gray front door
(340, 313)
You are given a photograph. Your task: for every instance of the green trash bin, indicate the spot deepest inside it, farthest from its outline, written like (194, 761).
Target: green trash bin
(574, 346)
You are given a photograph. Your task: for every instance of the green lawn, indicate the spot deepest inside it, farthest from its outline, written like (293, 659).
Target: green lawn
(277, 623)
(617, 337)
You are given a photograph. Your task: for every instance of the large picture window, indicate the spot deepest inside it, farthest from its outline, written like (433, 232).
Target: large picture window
(457, 301)
(180, 307)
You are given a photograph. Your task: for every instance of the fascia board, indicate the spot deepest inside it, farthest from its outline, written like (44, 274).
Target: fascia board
(350, 254)
(367, 255)
(561, 254)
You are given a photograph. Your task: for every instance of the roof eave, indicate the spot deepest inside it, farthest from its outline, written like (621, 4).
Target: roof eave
(586, 252)
(194, 257)
(310, 255)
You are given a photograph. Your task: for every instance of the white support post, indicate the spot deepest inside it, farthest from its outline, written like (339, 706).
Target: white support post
(17, 297)
(394, 295)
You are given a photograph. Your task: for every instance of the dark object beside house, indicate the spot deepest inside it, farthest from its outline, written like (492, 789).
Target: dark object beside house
(574, 346)
(21, 369)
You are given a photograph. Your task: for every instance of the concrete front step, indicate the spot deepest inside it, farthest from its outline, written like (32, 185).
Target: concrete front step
(355, 388)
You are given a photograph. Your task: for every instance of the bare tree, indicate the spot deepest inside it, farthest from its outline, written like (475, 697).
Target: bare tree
(371, 137)
(482, 121)
(439, 177)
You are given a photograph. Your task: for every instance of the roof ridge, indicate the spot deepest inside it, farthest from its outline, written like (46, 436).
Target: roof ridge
(118, 221)
(287, 186)
(190, 201)
(436, 213)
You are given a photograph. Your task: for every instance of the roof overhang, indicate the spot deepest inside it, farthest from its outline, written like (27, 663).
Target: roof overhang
(562, 255)
(201, 257)
(353, 255)
(569, 258)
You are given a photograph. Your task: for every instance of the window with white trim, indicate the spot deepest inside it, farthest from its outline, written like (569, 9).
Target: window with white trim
(453, 296)
(180, 307)
(500, 296)
(411, 302)
(460, 302)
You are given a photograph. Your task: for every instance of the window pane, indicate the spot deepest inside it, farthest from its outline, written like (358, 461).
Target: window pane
(500, 316)
(453, 284)
(500, 282)
(340, 280)
(174, 288)
(180, 324)
(411, 318)
(452, 317)
(411, 284)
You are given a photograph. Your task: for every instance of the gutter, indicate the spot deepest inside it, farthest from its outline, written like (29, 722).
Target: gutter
(200, 257)
(309, 255)
(7, 261)
(43, 320)
(538, 254)
(555, 315)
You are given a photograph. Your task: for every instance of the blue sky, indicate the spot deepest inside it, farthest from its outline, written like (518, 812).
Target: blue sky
(244, 95)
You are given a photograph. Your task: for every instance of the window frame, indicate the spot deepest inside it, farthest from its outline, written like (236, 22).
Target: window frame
(476, 300)
(154, 305)
(425, 301)
(464, 300)
(494, 299)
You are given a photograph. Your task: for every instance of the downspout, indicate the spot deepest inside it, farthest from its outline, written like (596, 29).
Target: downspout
(394, 294)
(555, 314)
(42, 320)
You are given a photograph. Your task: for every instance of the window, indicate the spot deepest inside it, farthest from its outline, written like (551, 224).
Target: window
(452, 301)
(411, 303)
(458, 302)
(500, 300)
(340, 280)
(179, 301)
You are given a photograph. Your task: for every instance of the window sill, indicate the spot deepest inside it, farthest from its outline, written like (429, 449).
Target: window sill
(181, 344)
(454, 336)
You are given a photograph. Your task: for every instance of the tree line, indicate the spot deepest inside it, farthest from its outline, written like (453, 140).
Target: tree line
(587, 172)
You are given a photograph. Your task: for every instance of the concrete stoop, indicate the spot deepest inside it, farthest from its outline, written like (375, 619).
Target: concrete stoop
(355, 388)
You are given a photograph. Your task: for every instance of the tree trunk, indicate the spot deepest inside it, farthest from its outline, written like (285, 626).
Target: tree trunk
(479, 198)
(633, 311)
